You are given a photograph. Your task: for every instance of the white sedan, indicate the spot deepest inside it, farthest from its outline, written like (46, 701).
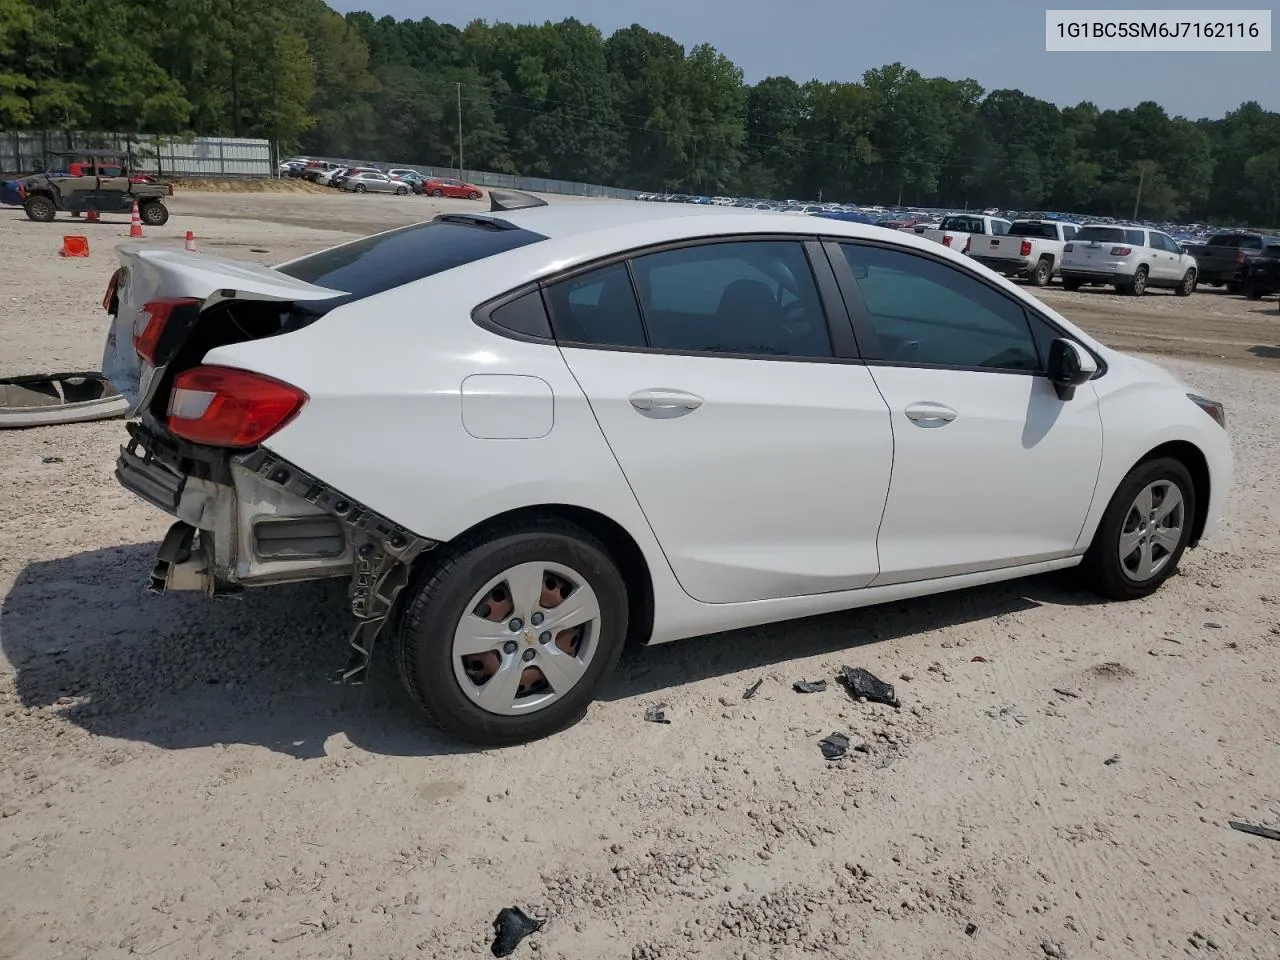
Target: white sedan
(527, 435)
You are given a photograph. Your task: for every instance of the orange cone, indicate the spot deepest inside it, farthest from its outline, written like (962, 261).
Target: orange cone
(75, 246)
(92, 216)
(191, 242)
(135, 225)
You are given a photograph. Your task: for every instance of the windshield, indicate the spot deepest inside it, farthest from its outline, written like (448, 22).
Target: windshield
(1041, 231)
(387, 260)
(1100, 235)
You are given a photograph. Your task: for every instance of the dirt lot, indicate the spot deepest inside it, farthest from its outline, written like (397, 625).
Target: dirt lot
(179, 780)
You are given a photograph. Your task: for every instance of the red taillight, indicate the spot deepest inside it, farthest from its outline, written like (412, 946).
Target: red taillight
(224, 407)
(946, 239)
(1121, 251)
(157, 313)
(112, 284)
(1025, 249)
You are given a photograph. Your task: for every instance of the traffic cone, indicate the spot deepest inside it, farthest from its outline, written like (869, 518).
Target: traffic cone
(135, 225)
(75, 246)
(191, 242)
(92, 216)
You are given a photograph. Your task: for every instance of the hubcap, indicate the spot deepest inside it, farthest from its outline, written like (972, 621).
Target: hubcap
(526, 639)
(1152, 530)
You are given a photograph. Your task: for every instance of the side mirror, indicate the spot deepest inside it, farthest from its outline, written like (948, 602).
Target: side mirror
(1070, 365)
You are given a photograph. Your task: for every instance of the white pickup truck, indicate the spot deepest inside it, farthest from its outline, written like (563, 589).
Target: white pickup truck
(960, 229)
(1032, 249)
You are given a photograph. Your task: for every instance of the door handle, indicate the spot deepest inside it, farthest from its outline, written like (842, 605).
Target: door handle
(665, 401)
(930, 414)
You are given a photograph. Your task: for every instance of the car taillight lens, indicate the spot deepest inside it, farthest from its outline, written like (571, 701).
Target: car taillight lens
(1121, 251)
(157, 314)
(1025, 249)
(225, 407)
(946, 239)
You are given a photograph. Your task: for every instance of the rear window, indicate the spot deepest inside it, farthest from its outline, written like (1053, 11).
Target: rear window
(962, 224)
(1041, 231)
(1100, 235)
(1244, 241)
(393, 259)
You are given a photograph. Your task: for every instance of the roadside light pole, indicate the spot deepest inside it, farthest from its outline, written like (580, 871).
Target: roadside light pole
(460, 163)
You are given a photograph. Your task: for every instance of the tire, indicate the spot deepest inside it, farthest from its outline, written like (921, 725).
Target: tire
(1188, 284)
(473, 195)
(402, 191)
(1252, 292)
(153, 213)
(40, 208)
(1103, 569)
(1043, 272)
(1233, 287)
(1071, 286)
(361, 188)
(434, 673)
(1138, 285)
(437, 192)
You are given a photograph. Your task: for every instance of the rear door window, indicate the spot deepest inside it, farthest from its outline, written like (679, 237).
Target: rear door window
(1135, 238)
(597, 308)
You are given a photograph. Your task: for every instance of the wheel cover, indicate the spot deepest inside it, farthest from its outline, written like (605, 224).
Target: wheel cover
(1140, 281)
(1152, 530)
(526, 638)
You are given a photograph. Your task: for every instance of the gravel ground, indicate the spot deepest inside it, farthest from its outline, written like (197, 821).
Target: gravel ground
(178, 779)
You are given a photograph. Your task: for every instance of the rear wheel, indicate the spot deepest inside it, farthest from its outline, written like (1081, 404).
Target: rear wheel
(1143, 533)
(361, 188)
(1138, 285)
(402, 191)
(512, 634)
(40, 208)
(1233, 287)
(153, 213)
(1188, 284)
(437, 192)
(1042, 272)
(1070, 285)
(1253, 292)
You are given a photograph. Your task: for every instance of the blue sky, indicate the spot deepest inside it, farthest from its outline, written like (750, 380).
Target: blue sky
(999, 43)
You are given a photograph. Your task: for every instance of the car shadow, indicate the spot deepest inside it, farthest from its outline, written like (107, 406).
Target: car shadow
(1269, 353)
(180, 671)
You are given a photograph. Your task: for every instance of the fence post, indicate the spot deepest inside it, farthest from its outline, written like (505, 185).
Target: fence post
(222, 158)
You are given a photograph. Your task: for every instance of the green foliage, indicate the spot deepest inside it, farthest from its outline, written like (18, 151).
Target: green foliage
(635, 109)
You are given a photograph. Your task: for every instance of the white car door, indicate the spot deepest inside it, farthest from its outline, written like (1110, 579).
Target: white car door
(1170, 257)
(991, 469)
(758, 448)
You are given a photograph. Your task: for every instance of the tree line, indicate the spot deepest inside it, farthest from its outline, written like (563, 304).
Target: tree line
(635, 109)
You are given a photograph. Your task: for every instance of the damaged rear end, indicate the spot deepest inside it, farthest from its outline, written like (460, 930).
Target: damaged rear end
(244, 517)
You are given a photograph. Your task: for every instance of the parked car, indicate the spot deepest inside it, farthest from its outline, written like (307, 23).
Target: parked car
(957, 231)
(340, 176)
(326, 178)
(314, 168)
(450, 187)
(1261, 274)
(371, 182)
(555, 463)
(1226, 256)
(1031, 249)
(413, 178)
(1129, 258)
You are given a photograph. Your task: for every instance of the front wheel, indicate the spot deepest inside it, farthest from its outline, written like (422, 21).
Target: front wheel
(153, 213)
(437, 192)
(40, 209)
(361, 188)
(1188, 284)
(512, 634)
(1143, 532)
(473, 195)
(402, 191)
